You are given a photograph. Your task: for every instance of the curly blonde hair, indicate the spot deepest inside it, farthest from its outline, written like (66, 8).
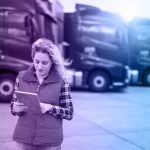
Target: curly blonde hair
(47, 46)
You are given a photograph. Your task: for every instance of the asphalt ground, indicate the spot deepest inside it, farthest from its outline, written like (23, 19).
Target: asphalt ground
(108, 121)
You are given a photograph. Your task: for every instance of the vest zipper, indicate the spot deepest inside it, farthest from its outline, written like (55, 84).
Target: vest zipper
(35, 119)
(38, 87)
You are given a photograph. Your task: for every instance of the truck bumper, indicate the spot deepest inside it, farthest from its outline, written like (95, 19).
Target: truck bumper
(127, 79)
(134, 76)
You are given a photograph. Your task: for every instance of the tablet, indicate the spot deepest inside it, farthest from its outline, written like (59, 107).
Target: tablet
(31, 100)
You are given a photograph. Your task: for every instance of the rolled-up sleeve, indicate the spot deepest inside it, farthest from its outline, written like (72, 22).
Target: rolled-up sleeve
(65, 110)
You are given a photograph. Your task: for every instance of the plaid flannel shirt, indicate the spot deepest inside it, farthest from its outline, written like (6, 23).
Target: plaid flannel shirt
(65, 108)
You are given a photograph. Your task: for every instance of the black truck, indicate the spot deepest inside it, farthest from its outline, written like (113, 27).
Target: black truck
(139, 37)
(21, 23)
(98, 45)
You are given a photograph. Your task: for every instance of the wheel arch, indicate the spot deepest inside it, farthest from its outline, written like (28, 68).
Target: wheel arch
(6, 71)
(96, 70)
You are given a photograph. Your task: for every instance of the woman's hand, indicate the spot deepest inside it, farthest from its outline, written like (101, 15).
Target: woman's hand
(19, 107)
(45, 107)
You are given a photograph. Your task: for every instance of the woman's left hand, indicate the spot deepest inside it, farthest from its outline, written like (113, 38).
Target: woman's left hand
(45, 107)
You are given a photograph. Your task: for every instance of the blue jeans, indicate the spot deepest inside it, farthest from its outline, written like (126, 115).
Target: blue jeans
(24, 146)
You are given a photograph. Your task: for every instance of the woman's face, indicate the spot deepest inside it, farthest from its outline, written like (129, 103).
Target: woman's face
(42, 64)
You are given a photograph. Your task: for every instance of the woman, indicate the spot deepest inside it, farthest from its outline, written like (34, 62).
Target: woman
(47, 78)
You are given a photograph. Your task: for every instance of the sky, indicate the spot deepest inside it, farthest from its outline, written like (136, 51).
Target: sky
(127, 8)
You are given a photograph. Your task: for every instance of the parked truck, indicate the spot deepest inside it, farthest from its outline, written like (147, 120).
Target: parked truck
(98, 47)
(139, 37)
(21, 23)
(97, 42)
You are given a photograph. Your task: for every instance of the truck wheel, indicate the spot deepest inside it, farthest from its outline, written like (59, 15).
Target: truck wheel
(147, 78)
(7, 82)
(99, 81)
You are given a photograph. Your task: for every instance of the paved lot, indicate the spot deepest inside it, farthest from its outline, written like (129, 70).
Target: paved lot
(108, 121)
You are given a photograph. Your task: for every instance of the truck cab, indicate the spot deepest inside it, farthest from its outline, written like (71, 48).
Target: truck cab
(21, 23)
(98, 48)
(139, 37)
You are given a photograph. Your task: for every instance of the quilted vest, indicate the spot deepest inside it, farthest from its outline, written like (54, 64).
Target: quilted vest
(40, 129)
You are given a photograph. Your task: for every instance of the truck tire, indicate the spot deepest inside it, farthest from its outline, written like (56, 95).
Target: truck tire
(7, 82)
(99, 81)
(147, 78)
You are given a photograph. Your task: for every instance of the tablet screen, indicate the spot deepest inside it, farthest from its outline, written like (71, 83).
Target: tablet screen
(31, 100)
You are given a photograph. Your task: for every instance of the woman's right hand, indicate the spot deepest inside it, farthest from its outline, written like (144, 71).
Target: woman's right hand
(19, 107)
